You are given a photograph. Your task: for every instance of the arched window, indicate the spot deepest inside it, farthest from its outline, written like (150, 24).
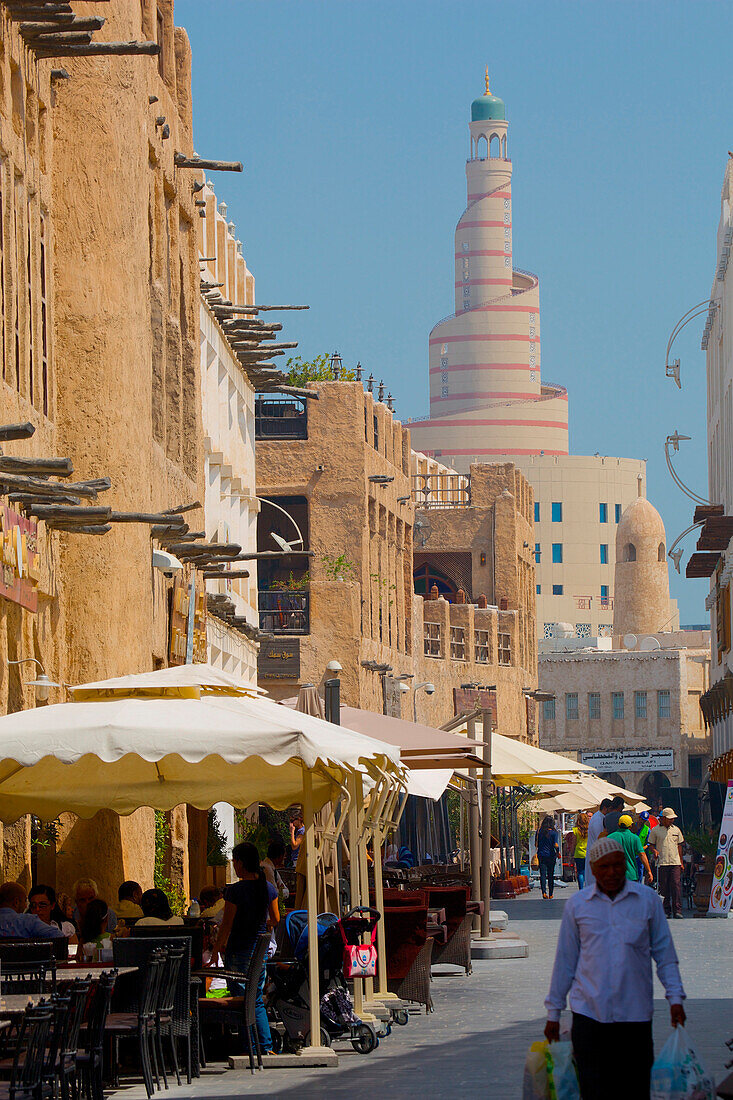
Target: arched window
(425, 576)
(503, 147)
(660, 552)
(495, 146)
(482, 147)
(629, 552)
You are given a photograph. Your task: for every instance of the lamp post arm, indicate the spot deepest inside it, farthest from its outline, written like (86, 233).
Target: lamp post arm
(281, 509)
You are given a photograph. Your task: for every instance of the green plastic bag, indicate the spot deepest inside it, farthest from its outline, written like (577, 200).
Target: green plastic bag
(562, 1076)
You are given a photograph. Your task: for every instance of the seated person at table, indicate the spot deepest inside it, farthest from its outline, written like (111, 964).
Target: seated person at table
(86, 890)
(157, 910)
(14, 921)
(42, 902)
(211, 903)
(129, 895)
(94, 925)
(275, 859)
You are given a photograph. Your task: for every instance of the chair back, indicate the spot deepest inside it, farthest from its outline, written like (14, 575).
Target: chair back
(169, 980)
(28, 1063)
(254, 970)
(454, 900)
(405, 933)
(194, 933)
(135, 951)
(152, 977)
(28, 977)
(78, 994)
(99, 1010)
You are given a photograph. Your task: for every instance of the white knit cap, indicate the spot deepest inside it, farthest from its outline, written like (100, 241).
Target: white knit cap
(603, 847)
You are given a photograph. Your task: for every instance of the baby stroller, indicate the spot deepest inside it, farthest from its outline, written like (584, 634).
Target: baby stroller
(287, 992)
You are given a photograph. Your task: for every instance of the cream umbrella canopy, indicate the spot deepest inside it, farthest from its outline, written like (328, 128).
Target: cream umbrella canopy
(123, 753)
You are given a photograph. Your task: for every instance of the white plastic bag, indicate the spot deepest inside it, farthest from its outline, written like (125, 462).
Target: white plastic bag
(535, 1074)
(562, 1076)
(677, 1073)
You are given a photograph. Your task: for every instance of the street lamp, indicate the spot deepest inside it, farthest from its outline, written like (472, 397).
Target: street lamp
(285, 545)
(428, 688)
(42, 683)
(674, 441)
(675, 552)
(672, 370)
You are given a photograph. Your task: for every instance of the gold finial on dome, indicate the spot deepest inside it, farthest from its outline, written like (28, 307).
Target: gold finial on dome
(488, 90)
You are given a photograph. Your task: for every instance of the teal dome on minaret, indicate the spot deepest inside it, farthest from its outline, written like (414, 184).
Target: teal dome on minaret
(488, 106)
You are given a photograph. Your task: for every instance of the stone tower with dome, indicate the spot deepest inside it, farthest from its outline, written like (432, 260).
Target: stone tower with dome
(641, 584)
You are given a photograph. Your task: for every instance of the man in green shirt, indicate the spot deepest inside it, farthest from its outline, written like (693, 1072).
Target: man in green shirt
(633, 849)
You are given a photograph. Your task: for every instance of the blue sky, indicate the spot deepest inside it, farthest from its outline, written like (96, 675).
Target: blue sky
(351, 119)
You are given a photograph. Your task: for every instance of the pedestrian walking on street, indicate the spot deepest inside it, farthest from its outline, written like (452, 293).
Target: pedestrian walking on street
(595, 828)
(666, 839)
(547, 843)
(580, 832)
(610, 821)
(609, 934)
(633, 849)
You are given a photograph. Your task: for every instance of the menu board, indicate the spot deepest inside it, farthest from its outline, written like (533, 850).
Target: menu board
(722, 889)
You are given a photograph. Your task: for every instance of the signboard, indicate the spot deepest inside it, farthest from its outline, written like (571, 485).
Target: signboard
(187, 642)
(631, 760)
(279, 659)
(722, 891)
(20, 562)
(391, 697)
(467, 699)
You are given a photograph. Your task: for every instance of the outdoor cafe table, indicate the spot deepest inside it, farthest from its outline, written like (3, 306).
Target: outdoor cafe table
(68, 973)
(15, 1004)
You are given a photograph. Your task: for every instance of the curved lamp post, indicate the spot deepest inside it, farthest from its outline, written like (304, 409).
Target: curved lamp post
(672, 370)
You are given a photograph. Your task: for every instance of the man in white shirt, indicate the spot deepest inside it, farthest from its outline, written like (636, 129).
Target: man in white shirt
(610, 933)
(667, 840)
(595, 828)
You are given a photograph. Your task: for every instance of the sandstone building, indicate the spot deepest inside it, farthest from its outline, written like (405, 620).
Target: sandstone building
(632, 709)
(489, 401)
(341, 467)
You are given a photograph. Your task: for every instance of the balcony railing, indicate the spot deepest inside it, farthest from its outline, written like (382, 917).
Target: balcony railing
(441, 490)
(281, 418)
(284, 611)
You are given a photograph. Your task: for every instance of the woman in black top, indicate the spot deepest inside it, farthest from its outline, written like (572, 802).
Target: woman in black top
(249, 906)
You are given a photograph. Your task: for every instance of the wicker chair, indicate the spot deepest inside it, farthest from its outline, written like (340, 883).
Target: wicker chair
(409, 953)
(456, 951)
(26, 1077)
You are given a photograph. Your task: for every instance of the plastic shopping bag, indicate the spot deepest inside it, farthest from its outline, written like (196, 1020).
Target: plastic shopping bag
(562, 1076)
(536, 1086)
(677, 1073)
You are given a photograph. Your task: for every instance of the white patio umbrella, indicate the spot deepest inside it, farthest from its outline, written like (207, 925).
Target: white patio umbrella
(123, 753)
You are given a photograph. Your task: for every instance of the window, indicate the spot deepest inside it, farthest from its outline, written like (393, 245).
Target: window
(663, 704)
(537, 553)
(457, 643)
(505, 649)
(557, 511)
(604, 553)
(549, 630)
(431, 638)
(557, 553)
(159, 26)
(539, 589)
(482, 650)
(557, 590)
(537, 511)
(629, 552)
(694, 767)
(617, 699)
(376, 432)
(594, 704)
(548, 710)
(660, 552)
(571, 705)
(617, 512)
(603, 513)
(640, 704)
(604, 593)
(44, 319)
(582, 630)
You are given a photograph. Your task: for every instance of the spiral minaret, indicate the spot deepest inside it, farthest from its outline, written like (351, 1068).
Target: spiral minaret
(486, 395)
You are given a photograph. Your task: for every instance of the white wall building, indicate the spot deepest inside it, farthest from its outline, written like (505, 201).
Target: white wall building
(228, 400)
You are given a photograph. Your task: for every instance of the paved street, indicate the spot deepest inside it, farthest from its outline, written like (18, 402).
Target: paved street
(474, 1044)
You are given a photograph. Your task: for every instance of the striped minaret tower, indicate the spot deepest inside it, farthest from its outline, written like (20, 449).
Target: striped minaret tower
(486, 396)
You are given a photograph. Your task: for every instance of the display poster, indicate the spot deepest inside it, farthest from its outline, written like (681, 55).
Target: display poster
(19, 559)
(187, 641)
(722, 889)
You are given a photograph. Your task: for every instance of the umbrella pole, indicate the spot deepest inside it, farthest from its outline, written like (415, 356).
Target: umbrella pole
(474, 851)
(354, 806)
(312, 907)
(486, 835)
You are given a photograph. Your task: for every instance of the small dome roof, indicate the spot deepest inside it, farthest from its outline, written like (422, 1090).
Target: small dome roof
(487, 106)
(640, 520)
